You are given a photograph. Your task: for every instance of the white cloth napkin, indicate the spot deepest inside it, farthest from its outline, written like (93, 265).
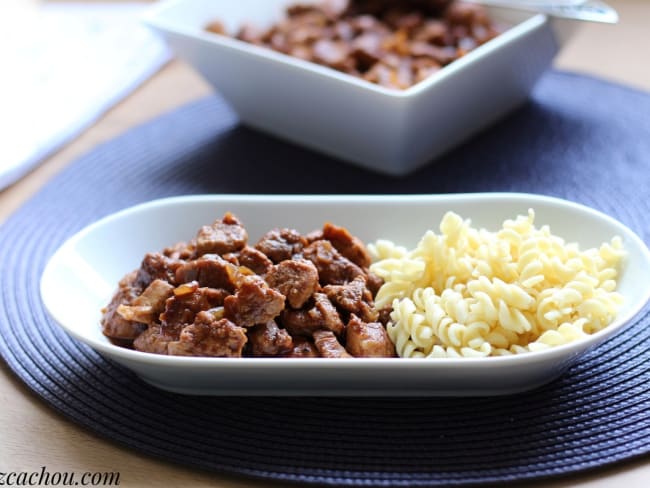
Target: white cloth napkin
(63, 71)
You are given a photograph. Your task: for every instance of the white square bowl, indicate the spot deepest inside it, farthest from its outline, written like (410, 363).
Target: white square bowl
(385, 130)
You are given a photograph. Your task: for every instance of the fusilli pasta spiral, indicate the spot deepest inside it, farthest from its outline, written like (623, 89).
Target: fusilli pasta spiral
(469, 292)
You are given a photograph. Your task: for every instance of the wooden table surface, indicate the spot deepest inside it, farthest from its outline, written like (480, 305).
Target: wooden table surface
(34, 435)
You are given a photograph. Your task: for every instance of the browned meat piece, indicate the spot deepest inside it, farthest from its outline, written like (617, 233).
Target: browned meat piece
(254, 303)
(328, 345)
(333, 269)
(250, 33)
(216, 27)
(335, 8)
(231, 257)
(442, 55)
(330, 317)
(433, 31)
(467, 14)
(353, 297)
(269, 340)
(301, 9)
(302, 52)
(301, 322)
(373, 283)
(254, 260)
(349, 246)
(155, 295)
(403, 20)
(295, 279)
(335, 54)
(343, 31)
(315, 235)
(157, 266)
(224, 236)
(149, 305)
(210, 270)
(208, 336)
(322, 315)
(349, 296)
(368, 340)
(281, 244)
(279, 42)
(383, 315)
(113, 324)
(187, 301)
(153, 340)
(303, 348)
(181, 250)
(363, 23)
(382, 75)
(367, 49)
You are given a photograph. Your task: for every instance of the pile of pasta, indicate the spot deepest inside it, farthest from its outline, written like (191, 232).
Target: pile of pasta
(468, 292)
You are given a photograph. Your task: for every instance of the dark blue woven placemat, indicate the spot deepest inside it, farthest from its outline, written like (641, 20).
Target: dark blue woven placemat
(578, 138)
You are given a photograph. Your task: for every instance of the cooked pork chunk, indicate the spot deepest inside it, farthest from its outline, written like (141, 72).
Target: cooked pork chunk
(188, 300)
(328, 345)
(349, 246)
(254, 303)
(254, 260)
(210, 270)
(113, 324)
(295, 279)
(281, 244)
(353, 297)
(209, 336)
(269, 340)
(303, 348)
(153, 340)
(368, 340)
(223, 236)
(322, 315)
(157, 266)
(147, 307)
(333, 268)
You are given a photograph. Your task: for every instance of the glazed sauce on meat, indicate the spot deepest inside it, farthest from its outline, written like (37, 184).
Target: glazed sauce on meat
(217, 295)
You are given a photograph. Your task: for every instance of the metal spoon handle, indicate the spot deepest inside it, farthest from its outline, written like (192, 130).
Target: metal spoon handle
(586, 10)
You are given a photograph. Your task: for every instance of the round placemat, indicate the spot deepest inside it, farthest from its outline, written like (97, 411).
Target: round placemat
(578, 138)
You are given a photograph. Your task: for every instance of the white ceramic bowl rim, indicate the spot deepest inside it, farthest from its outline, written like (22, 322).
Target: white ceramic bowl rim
(559, 352)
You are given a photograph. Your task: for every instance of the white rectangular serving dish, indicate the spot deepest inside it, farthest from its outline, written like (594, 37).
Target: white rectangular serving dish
(385, 130)
(82, 275)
